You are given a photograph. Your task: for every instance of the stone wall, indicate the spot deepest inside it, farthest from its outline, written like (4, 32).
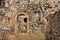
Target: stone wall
(36, 12)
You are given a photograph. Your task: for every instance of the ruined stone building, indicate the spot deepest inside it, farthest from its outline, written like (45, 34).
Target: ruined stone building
(26, 16)
(18, 13)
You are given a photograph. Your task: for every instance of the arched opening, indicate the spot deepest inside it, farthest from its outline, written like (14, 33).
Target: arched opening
(22, 23)
(25, 19)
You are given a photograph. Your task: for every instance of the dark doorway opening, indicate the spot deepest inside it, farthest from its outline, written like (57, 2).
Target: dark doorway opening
(25, 19)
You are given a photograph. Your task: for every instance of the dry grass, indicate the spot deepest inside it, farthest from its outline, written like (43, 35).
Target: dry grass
(27, 36)
(31, 36)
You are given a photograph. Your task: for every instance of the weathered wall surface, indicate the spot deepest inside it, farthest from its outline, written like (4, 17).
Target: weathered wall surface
(36, 12)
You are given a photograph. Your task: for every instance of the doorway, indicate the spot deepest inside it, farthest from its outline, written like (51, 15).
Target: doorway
(22, 23)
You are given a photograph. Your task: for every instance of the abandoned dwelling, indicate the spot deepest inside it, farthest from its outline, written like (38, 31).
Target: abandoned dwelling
(29, 16)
